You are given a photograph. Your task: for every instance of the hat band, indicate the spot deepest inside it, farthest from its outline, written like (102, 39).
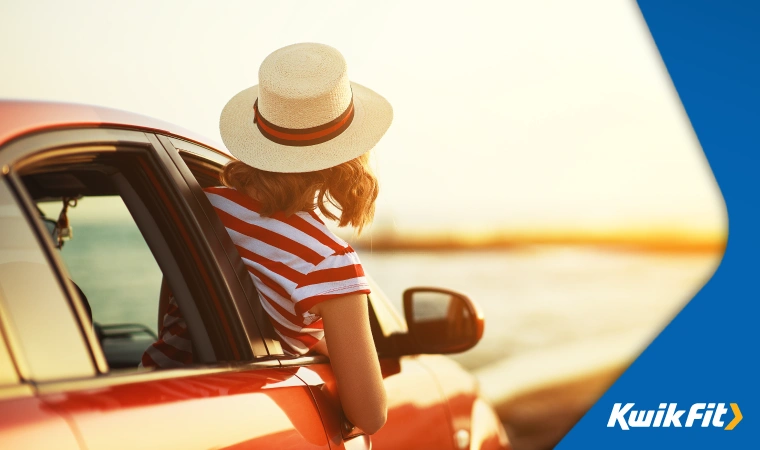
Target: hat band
(300, 137)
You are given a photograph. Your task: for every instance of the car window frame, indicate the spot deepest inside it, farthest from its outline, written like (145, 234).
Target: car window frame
(244, 292)
(27, 148)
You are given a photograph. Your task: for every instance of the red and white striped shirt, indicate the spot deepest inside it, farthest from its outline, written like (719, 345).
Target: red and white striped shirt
(173, 347)
(295, 262)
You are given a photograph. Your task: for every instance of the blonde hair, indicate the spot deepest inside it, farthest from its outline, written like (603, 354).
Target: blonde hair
(350, 187)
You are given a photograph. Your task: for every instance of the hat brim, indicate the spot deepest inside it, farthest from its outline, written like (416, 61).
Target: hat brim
(372, 117)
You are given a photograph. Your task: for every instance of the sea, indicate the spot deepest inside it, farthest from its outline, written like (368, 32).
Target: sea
(533, 297)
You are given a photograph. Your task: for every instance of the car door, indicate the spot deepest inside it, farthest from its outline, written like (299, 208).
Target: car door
(233, 395)
(417, 415)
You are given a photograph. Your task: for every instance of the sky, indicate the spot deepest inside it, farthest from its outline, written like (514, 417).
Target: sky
(511, 115)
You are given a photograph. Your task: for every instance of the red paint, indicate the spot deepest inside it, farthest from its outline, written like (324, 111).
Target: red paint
(27, 423)
(18, 117)
(264, 408)
(417, 417)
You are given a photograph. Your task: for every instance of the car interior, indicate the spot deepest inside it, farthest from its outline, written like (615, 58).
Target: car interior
(88, 207)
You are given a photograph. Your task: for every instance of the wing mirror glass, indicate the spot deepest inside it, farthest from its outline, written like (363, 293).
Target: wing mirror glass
(441, 321)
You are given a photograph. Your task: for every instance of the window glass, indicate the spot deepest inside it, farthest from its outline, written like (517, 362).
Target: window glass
(110, 261)
(35, 310)
(118, 278)
(8, 375)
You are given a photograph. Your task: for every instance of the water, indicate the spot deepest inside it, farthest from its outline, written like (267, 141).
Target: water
(542, 297)
(116, 270)
(534, 298)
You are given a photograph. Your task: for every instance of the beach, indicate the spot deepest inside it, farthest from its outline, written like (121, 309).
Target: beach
(539, 297)
(562, 323)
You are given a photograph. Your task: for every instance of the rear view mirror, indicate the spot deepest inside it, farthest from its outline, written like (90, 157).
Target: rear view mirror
(50, 226)
(441, 321)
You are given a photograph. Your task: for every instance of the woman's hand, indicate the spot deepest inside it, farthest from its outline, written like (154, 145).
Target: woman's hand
(354, 360)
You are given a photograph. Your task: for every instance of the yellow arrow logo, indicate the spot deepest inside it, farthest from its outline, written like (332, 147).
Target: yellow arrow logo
(737, 417)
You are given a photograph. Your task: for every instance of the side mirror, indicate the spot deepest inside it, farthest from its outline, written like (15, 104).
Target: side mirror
(441, 321)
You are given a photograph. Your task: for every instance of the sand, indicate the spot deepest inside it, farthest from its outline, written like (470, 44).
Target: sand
(539, 396)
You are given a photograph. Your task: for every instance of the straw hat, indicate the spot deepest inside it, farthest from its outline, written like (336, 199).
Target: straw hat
(305, 114)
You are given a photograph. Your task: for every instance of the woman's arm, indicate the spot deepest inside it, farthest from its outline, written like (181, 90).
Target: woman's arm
(354, 360)
(321, 348)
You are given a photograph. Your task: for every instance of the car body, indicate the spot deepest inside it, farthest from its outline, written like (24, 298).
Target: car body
(67, 384)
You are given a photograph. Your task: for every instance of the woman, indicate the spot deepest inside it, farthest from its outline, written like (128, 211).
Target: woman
(302, 138)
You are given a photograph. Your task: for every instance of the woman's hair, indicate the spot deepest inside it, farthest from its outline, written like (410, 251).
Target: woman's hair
(350, 187)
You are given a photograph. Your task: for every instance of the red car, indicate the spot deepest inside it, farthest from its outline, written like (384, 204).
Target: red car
(97, 206)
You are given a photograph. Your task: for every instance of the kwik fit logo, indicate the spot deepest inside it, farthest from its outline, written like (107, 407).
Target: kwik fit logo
(668, 415)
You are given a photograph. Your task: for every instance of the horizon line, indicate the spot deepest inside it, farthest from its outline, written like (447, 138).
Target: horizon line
(662, 241)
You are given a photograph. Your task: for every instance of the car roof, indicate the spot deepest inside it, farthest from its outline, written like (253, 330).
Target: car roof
(20, 117)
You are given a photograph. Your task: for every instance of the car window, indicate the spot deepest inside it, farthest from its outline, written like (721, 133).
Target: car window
(33, 306)
(113, 229)
(115, 272)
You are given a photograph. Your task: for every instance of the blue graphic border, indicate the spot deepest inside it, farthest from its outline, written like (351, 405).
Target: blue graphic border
(709, 353)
